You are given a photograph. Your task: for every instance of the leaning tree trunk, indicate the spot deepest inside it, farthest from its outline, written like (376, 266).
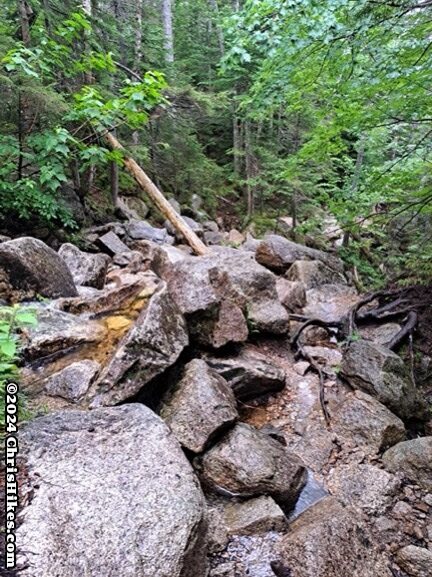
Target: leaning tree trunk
(158, 199)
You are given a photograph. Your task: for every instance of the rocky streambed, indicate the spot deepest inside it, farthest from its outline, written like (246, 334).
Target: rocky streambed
(177, 432)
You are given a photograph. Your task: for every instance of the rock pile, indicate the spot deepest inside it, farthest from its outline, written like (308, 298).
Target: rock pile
(212, 472)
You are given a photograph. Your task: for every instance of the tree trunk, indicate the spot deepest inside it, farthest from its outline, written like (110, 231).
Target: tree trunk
(138, 36)
(168, 31)
(250, 166)
(221, 40)
(25, 12)
(158, 199)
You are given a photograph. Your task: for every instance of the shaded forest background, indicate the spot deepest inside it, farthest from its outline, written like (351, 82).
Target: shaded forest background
(316, 111)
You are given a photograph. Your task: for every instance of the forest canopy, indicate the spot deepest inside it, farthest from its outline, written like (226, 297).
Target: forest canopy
(312, 110)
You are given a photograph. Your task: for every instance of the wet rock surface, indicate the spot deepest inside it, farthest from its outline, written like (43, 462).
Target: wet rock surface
(80, 475)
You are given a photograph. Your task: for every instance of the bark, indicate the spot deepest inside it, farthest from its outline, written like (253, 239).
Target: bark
(237, 145)
(156, 196)
(25, 12)
(168, 30)
(138, 36)
(251, 170)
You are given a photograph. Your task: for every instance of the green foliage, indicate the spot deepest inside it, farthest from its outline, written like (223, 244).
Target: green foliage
(12, 320)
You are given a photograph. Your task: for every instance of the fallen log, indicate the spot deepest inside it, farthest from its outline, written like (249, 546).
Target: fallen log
(156, 196)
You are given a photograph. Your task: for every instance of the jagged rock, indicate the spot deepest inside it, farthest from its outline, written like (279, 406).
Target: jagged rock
(279, 254)
(59, 331)
(314, 273)
(152, 345)
(364, 487)
(415, 561)
(381, 373)
(199, 407)
(147, 519)
(413, 459)
(141, 230)
(249, 375)
(72, 382)
(87, 269)
(32, 268)
(247, 462)
(254, 516)
(367, 421)
(111, 243)
(200, 284)
(122, 288)
(329, 540)
(291, 294)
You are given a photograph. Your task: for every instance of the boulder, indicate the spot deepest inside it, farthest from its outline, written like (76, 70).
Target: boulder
(199, 407)
(250, 375)
(31, 268)
(200, 284)
(247, 462)
(69, 198)
(381, 373)
(254, 516)
(152, 345)
(313, 273)
(111, 243)
(364, 419)
(57, 331)
(363, 487)
(415, 561)
(413, 459)
(87, 269)
(141, 230)
(291, 294)
(118, 479)
(72, 382)
(329, 540)
(279, 254)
